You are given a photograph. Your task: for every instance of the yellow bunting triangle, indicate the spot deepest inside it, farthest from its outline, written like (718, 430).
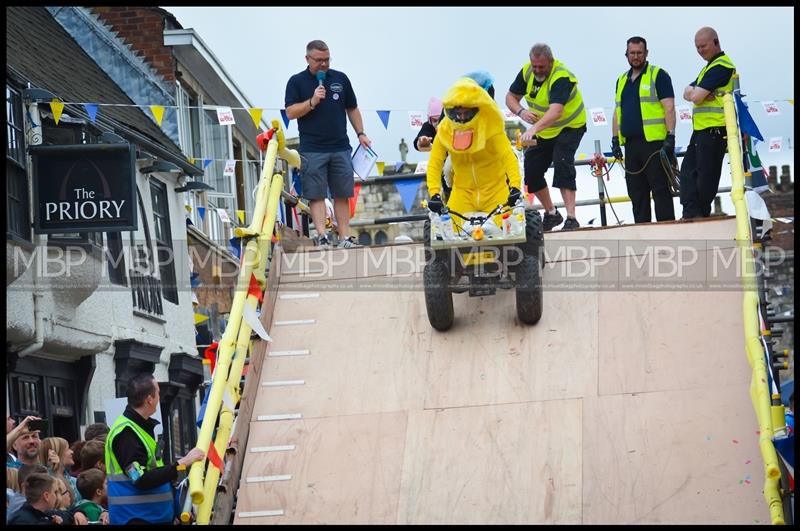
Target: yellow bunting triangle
(200, 318)
(158, 113)
(188, 208)
(191, 160)
(791, 102)
(240, 216)
(57, 107)
(581, 156)
(380, 165)
(255, 114)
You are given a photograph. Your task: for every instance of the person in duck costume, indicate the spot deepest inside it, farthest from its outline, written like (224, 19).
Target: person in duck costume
(486, 170)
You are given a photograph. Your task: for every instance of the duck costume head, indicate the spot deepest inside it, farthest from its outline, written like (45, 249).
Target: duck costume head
(472, 117)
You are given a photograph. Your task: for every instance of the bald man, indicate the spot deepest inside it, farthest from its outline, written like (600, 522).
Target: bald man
(702, 165)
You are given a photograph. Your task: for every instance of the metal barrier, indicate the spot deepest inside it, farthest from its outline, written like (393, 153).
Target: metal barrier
(759, 391)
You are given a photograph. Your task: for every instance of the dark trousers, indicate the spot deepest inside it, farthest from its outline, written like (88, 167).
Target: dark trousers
(651, 178)
(560, 151)
(701, 171)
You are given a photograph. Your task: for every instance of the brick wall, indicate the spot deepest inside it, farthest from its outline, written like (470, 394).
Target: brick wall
(143, 29)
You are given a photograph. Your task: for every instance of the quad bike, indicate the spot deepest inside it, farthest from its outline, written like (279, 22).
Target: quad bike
(479, 255)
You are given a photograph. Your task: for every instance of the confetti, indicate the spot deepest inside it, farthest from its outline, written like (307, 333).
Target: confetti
(747, 481)
(758, 433)
(747, 462)
(740, 482)
(708, 437)
(735, 441)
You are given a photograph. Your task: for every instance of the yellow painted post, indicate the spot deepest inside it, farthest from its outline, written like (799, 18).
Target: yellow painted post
(759, 392)
(227, 343)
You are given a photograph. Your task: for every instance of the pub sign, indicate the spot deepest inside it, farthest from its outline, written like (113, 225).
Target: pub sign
(84, 188)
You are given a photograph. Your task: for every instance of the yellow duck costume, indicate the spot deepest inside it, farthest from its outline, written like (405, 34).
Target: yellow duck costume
(484, 164)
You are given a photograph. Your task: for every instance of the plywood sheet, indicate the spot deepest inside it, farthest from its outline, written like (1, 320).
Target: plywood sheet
(515, 463)
(672, 457)
(343, 470)
(657, 341)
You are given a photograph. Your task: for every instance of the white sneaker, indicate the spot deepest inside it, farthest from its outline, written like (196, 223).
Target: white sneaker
(348, 243)
(323, 242)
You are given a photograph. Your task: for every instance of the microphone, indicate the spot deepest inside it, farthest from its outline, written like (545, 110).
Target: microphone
(320, 77)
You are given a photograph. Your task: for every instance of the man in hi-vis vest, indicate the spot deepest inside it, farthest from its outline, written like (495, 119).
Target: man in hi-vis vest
(702, 165)
(555, 108)
(644, 122)
(139, 484)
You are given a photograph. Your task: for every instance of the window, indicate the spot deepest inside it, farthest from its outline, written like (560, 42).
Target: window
(115, 256)
(18, 223)
(163, 233)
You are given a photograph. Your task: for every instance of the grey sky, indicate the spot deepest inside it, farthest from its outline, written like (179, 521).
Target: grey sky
(397, 58)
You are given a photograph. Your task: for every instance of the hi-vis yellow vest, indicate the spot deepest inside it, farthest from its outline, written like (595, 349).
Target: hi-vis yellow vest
(653, 121)
(574, 114)
(709, 113)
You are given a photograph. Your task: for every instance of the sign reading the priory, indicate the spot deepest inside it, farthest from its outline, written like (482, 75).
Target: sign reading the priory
(84, 188)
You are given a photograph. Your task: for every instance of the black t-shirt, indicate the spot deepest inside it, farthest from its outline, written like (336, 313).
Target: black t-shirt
(716, 77)
(324, 129)
(559, 91)
(631, 123)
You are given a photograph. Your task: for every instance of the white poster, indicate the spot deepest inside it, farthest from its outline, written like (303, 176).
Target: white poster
(684, 114)
(598, 116)
(510, 115)
(422, 167)
(416, 118)
(225, 116)
(223, 215)
(775, 144)
(230, 168)
(771, 108)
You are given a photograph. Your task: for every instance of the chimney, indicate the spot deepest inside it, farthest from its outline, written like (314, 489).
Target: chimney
(142, 28)
(786, 179)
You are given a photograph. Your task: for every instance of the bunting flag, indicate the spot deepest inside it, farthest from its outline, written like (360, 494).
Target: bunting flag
(194, 279)
(195, 300)
(201, 211)
(285, 118)
(188, 208)
(210, 353)
(254, 288)
(91, 110)
(57, 107)
(408, 191)
(252, 319)
(354, 200)
(758, 177)
(398, 165)
(214, 458)
(206, 162)
(384, 116)
(746, 123)
(240, 216)
(199, 318)
(235, 246)
(158, 113)
(255, 114)
(203, 404)
(191, 160)
(380, 164)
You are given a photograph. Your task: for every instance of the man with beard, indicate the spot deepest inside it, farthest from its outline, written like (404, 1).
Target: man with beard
(555, 108)
(26, 447)
(644, 122)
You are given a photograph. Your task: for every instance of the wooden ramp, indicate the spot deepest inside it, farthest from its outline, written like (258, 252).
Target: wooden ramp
(622, 405)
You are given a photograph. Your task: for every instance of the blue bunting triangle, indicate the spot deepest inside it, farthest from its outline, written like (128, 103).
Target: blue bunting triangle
(285, 118)
(408, 191)
(206, 162)
(91, 110)
(201, 211)
(746, 122)
(384, 116)
(235, 245)
(194, 279)
(398, 165)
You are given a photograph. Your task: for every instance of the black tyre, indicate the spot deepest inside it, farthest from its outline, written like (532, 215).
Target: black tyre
(534, 236)
(438, 297)
(440, 256)
(529, 290)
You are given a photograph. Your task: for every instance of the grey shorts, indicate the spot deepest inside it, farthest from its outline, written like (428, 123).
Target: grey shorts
(322, 171)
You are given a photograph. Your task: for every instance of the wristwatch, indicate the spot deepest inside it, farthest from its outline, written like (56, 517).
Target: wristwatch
(360, 133)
